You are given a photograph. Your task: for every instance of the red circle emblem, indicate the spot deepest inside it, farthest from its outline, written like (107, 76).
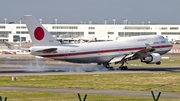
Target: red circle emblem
(39, 33)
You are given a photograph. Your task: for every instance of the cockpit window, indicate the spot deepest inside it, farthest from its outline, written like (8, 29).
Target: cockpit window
(161, 37)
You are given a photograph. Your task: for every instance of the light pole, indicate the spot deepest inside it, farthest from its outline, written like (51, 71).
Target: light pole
(20, 31)
(149, 22)
(125, 22)
(142, 23)
(5, 20)
(90, 22)
(105, 21)
(40, 20)
(56, 21)
(114, 20)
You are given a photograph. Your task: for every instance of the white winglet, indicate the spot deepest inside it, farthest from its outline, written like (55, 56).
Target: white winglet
(39, 35)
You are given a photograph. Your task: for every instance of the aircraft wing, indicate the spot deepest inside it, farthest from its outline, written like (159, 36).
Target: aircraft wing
(137, 55)
(144, 52)
(10, 46)
(7, 44)
(16, 47)
(49, 50)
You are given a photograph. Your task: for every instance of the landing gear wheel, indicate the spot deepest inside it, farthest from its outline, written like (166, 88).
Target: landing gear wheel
(99, 64)
(158, 63)
(109, 68)
(123, 67)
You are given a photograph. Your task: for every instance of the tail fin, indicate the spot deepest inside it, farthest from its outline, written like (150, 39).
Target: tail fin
(39, 35)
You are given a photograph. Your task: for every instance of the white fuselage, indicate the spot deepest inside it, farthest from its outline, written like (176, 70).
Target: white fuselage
(102, 52)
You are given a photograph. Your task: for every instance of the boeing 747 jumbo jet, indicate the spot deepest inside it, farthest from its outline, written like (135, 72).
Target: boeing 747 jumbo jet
(146, 48)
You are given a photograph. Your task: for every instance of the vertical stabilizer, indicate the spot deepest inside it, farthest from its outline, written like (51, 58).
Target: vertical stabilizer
(39, 35)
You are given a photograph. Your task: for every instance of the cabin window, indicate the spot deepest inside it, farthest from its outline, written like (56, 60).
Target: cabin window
(91, 33)
(110, 33)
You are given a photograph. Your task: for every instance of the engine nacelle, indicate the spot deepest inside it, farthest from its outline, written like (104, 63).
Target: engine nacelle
(152, 58)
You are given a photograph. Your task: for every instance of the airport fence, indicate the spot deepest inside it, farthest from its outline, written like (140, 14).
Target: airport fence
(4, 99)
(155, 99)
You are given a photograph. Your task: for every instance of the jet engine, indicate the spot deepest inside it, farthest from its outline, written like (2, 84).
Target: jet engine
(152, 58)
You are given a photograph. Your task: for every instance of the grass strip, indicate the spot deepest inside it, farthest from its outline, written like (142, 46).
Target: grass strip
(118, 81)
(48, 96)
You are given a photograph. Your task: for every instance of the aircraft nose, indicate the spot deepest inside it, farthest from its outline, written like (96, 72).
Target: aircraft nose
(170, 46)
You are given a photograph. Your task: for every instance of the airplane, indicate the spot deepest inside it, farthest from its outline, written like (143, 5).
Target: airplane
(147, 48)
(16, 47)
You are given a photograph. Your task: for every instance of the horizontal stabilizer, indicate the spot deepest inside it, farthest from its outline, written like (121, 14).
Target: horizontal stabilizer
(49, 50)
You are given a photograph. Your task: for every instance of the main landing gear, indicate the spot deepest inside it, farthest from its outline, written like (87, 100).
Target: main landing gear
(111, 68)
(122, 67)
(106, 65)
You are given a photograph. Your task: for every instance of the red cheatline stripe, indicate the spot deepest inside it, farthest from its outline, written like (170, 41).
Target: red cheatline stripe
(103, 51)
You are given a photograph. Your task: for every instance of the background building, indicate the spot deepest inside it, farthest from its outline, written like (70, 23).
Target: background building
(89, 32)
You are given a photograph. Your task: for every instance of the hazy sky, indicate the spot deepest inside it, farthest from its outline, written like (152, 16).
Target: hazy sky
(74, 11)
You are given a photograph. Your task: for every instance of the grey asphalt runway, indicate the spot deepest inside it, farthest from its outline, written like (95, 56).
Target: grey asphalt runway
(63, 68)
(10, 67)
(9, 71)
(29, 65)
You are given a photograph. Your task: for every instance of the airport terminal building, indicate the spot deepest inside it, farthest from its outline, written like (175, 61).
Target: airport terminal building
(89, 32)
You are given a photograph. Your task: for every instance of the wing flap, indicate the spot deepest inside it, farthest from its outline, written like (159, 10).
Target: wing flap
(120, 58)
(116, 59)
(144, 52)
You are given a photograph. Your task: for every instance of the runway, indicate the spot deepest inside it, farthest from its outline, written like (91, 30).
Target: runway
(9, 71)
(19, 65)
